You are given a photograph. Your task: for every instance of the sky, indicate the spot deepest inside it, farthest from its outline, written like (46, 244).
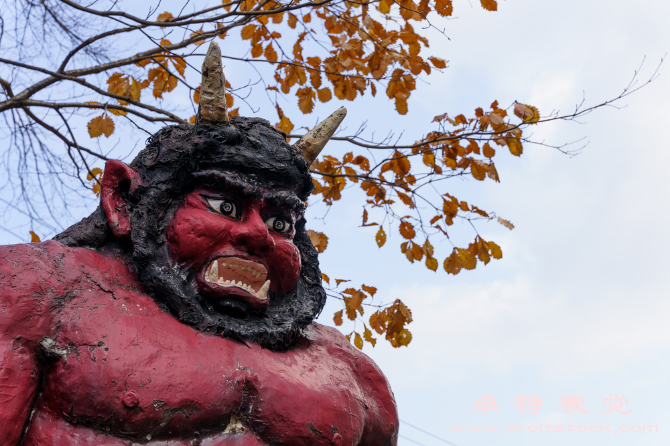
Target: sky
(576, 310)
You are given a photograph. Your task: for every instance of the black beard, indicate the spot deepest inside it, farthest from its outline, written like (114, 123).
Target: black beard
(277, 327)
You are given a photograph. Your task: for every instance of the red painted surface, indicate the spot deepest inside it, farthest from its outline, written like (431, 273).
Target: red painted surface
(83, 346)
(197, 235)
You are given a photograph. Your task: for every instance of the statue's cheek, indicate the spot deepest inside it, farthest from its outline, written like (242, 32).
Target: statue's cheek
(286, 264)
(193, 234)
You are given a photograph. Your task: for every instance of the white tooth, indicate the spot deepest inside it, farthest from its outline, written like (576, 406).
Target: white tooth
(214, 272)
(239, 283)
(262, 294)
(221, 280)
(224, 264)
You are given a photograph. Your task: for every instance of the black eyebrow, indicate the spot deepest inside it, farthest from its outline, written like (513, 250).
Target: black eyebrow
(284, 199)
(242, 186)
(230, 182)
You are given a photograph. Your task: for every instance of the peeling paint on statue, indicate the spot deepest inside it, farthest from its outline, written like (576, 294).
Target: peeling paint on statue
(180, 312)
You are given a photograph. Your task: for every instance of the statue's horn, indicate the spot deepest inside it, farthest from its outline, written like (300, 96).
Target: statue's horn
(312, 143)
(213, 110)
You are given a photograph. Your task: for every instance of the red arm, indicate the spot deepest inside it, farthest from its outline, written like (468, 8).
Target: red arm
(23, 321)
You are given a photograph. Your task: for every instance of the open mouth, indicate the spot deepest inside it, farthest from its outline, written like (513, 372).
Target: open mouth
(235, 272)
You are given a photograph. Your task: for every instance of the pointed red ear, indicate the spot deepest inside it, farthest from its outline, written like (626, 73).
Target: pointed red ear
(117, 183)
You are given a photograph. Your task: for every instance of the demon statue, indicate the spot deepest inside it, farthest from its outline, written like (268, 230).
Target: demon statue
(181, 311)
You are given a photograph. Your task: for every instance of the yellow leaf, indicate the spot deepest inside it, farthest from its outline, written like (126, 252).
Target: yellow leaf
(496, 252)
(468, 258)
(431, 263)
(257, 50)
(490, 5)
(337, 318)
(401, 106)
(100, 125)
(367, 335)
(528, 113)
(402, 339)
(292, 20)
(438, 62)
(248, 32)
(270, 53)
(358, 341)
(164, 17)
(339, 281)
(116, 112)
(196, 95)
(192, 119)
(319, 240)
(489, 151)
(34, 238)
(306, 99)
(492, 172)
(506, 223)
(380, 237)
(444, 7)
(369, 289)
(453, 263)
(324, 94)
(384, 7)
(515, 146)
(325, 278)
(478, 170)
(407, 230)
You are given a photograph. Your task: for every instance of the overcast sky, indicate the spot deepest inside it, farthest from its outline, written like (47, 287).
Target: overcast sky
(579, 303)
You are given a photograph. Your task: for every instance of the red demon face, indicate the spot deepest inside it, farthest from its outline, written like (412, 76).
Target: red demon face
(239, 241)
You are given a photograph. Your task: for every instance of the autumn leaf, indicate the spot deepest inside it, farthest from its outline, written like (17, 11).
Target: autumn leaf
(527, 113)
(489, 151)
(95, 175)
(337, 318)
(339, 281)
(478, 170)
(380, 238)
(515, 146)
(506, 223)
(324, 94)
(164, 17)
(325, 278)
(100, 125)
(34, 238)
(319, 240)
(453, 263)
(496, 252)
(407, 230)
(467, 258)
(367, 335)
(490, 5)
(369, 289)
(438, 62)
(270, 53)
(431, 263)
(358, 341)
(444, 7)
(306, 99)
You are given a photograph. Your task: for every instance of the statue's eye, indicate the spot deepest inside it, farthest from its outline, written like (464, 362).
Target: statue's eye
(225, 207)
(279, 224)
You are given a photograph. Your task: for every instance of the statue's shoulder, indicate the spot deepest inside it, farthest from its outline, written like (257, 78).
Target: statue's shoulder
(382, 424)
(338, 345)
(37, 260)
(33, 275)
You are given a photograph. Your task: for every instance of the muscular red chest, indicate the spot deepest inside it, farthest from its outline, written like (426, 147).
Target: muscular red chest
(131, 370)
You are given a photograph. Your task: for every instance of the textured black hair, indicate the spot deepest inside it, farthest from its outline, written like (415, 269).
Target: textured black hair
(169, 168)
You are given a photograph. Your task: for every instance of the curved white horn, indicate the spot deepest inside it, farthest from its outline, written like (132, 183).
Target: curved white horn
(313, 143)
